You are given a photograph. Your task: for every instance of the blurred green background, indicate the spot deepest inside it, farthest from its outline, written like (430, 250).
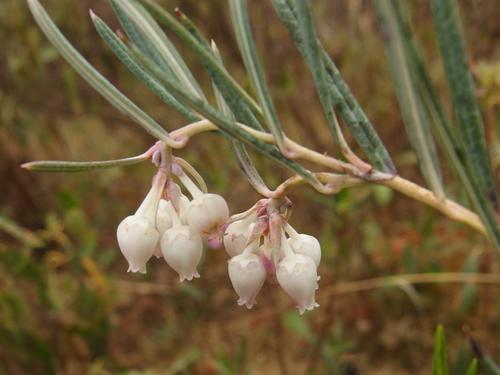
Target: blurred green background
(67, 305)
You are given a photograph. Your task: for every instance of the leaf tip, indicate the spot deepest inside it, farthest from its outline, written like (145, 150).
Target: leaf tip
(27, 166)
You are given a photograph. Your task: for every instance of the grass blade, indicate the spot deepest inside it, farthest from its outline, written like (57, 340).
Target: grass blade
(163, 46)
(439, 360)
(416, 120)
(120, 50)
(246, 44)
(80, 166)
(470, 124)
(472, 369)
(92, 76)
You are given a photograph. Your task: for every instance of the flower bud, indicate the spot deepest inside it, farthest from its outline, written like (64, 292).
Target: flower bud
(206, 213)
(137, 237)
(306, 245)
(247, 274)
(236, 237)
(297, 275)
(182, 249)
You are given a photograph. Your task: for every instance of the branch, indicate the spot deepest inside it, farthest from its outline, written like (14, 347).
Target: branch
(453, 210)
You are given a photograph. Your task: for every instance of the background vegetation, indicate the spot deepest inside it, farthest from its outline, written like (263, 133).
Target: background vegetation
(66, 303)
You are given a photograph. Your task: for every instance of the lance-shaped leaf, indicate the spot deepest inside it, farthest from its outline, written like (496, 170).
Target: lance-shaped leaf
(140, 39)
(92, 76)
(237, 106)
(134, 12)
(246, 44)
(205, 55)
(415, 117)
(81, 166)
(439, 359)
(239, 149)
(225, 125)
(342, 99)
(312, 55)
(120, 50)
(470, 124)
(446, 134)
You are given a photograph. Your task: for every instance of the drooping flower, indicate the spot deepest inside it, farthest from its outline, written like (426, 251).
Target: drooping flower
(181, 247)
(207, 213)
(297, 275)
(236, 236)
(247, 275)
(306, 245)
(137, 237)
(137, 234)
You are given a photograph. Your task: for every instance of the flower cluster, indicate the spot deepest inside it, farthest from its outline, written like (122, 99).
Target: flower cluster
(168, 224)
(263, 245)
(260, 241)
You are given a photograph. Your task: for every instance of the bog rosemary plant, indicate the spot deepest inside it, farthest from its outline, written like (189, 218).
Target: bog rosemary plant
(178, 216)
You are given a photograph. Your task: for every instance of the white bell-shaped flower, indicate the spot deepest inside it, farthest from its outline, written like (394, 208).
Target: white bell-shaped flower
(207, 213)
(236, 236)
(137, 237)
(182, 249)
(306, 245)
(137, 234)
(297, 275)
(247, 275)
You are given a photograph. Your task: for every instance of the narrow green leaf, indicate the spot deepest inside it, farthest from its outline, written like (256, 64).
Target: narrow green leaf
(239, 149)
(460, 82)
(140, 39)
(248, 50)
(356, 119)
(342, 99)
(163, 46)
(226, 126)
(231, 97)
(447, 136)
(439, 359)
(204, 54)
(472, 369)
(312, 55)
(415, 118)
(92, 76)
(120, 50)
(80, 166)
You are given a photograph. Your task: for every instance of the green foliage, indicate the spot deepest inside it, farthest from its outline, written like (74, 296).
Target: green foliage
(80, 166)
(428, 108)
(439, 358)
(416, 119)
(241, 25)
(470, 123)
(92, 76)
(341, 96)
